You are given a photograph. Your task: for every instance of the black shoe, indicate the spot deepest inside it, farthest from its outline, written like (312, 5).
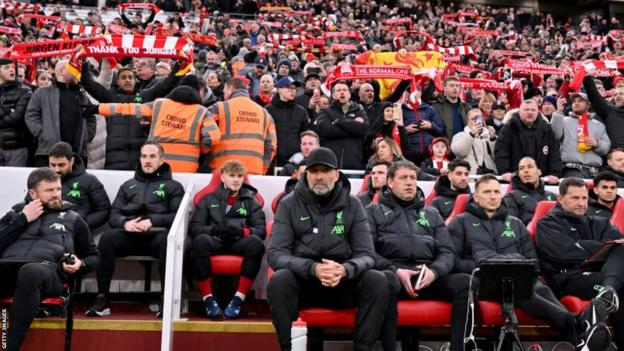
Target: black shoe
(597, 338)
(100, 308)
(609, 297)
(594, 313)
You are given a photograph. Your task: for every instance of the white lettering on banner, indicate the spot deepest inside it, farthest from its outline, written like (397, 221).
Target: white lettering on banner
(160, 51)
(103, 50)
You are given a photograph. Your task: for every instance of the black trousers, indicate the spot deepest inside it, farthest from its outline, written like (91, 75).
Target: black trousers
(118, 243)
(250, 247)
(28, 284)
(611, 273)
(287, 293)
(545, 306)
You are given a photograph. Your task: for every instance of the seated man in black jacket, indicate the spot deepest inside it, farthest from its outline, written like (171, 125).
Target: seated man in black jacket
(487, 231)
(527, 190)
(80, 188)
(228, 221)
(410, 237)
(50, 241)
(449, 186)
(603, 197)
(322, 253)
(566, 237)
(615, 164)
(140, 218)
(309, 141)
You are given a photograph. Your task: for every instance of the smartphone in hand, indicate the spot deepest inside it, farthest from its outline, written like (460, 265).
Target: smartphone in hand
(416, 280)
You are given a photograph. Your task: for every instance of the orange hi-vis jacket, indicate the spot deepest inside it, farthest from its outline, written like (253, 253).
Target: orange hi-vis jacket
(247, 134)
(183, 130)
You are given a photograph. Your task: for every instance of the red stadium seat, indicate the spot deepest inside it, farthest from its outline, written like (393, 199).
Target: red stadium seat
(223, 264)
(542, 209)
(276, 201)
(617, 218)
(364, 186)
(431, 196)
(460, 206)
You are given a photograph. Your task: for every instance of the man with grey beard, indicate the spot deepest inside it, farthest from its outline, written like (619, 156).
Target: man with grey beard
(322, 254)
(611, 115)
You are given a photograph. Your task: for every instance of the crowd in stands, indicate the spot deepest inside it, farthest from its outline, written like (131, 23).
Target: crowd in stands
(534, 99)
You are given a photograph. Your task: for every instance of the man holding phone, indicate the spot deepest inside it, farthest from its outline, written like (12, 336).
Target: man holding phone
(412, 241)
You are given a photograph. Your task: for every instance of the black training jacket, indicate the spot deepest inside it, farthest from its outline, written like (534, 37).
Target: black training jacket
(14, 97)
(477, 236)
(155, 196)
(245, 213)
(48, 238)
(304, 231)
(87, 194)
(445, 196)
(523, 198)
(290, 120)
(410, 236)
(564, 240)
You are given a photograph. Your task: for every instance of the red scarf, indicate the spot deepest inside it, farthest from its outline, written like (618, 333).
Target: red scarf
(266, 99)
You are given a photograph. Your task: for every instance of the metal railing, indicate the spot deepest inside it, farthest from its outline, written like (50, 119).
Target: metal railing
(172, 290)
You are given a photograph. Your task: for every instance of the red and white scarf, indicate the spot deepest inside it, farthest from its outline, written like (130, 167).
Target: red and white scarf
(534, 67)
(512, 88)
(81, 30)
(590, 66)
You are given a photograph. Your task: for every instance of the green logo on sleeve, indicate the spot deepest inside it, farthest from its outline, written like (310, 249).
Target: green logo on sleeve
(75, 192)
(160, 192)
(508, 233)
(214, 205)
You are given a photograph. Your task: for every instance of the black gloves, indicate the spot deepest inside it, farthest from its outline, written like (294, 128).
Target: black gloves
(227, 233)
(91, 109)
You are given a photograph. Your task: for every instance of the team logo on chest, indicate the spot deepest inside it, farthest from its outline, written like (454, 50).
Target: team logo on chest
(338, 228)
(58, 226)
(74, 192)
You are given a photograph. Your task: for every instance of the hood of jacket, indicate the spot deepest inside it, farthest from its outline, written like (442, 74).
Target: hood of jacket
(473, 208)
(517, 184)
(387, 198)
(162, 173)
(338, 196)
(443, 188)
(78, 168)
(185, 95)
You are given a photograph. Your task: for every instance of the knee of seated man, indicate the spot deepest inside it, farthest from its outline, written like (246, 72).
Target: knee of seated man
(375, 279)
(394, 285)
(31, 274)
(201, 244)
(254, 246)
(279, 280)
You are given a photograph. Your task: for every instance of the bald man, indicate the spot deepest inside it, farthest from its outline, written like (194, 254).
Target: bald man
(375, 112)
(46, 122)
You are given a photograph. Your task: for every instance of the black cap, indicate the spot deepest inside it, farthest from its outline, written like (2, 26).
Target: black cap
(498, 106)
(322, 156)
(310, 76)
(5, 61)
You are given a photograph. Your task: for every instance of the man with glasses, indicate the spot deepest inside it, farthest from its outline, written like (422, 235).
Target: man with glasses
(290, 119)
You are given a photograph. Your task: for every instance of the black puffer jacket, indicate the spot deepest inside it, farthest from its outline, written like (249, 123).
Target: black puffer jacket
(445, 196)
(48, 238)
(595, 208)
(13, 131)
(405, 237)
(245, 213)
(304, 231)
(516, 141)
(564, 240)
(87, 194)
(477, 236)
(342, 134)
(523, 198)
(153, 196)
(290, 120)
